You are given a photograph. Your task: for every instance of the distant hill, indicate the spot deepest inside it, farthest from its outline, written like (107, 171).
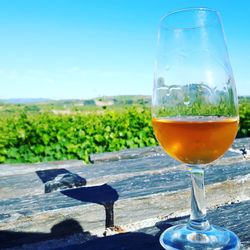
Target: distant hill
(118, 100)
(99, 101)
(24, 100)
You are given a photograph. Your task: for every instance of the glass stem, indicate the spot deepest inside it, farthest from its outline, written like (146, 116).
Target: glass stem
(198, 219)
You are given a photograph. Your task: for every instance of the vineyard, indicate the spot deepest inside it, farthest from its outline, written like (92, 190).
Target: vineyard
(29, 137)
(32, 136)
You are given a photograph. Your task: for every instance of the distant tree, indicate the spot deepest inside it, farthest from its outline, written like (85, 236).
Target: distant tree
(89, 102)
(32, 108)
(129, 102)
(140, 101)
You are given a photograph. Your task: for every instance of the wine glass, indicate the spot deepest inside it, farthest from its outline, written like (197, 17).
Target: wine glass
(194, 113)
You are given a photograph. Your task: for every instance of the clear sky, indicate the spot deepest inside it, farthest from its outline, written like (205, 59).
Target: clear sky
(90, 48)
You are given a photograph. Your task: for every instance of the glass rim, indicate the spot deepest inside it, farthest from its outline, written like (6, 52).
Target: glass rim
(172, 13)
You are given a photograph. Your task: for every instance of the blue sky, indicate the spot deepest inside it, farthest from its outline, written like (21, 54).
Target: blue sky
(90, 48)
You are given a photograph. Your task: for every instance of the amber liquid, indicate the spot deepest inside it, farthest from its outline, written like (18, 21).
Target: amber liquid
(195, 141)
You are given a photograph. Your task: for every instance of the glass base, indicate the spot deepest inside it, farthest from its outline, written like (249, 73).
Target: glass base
(184, 237)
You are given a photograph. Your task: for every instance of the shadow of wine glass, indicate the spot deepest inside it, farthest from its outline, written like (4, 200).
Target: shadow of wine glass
(124, 241)
(9, 239)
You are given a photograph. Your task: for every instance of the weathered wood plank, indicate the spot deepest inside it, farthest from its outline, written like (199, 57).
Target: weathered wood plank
(17, 185)
(25, 168)
(242, 143)
(12, 186)
(234, 217)
(42, 212)
(126, 154)
(129, 186)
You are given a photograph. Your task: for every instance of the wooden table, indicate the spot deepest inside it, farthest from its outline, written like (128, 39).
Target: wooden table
(129, 196)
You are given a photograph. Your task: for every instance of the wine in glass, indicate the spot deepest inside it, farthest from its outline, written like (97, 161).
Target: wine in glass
(194, 113)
